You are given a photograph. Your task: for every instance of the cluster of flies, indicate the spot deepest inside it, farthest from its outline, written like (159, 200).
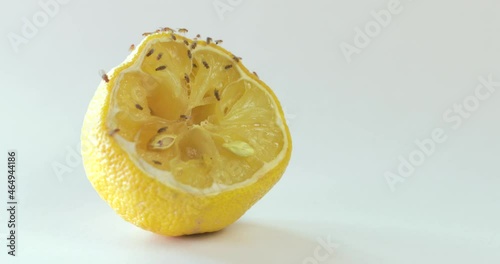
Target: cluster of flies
(191, 47)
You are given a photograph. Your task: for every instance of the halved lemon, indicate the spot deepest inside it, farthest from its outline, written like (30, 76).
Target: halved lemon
(181, 138)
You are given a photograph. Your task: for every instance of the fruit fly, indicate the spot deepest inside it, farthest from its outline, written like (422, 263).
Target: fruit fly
(219, 41)
(237, 59)
(183, 30)
(205, 64)
(186, 77)
(174, 37)
(165, 29)
(132, 47)
(156, 162)
(217, 95)
(159, 56)
(229, 66)
(150, 52)
(194, 44)
(161, 68)
(186, 42)
(189, 54)
(209, 40)
(255, 73)
(161, 130)
(138, 106)
(104, 76)
(114, 131)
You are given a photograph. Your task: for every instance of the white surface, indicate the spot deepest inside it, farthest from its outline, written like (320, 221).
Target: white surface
(350, 122)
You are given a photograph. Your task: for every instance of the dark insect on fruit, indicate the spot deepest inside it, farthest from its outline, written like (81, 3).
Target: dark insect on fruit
(189, 54)
(161, 130)
(217, 95)
(229, 66)
(138, 106)
(205, 64)
(165, 29)
(114, 131)
(161, 68)
(237, 59)
(104, 76)
(156, 162)
(159, 56)
(150, 52)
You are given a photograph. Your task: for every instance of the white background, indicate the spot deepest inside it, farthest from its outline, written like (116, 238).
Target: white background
(349, 121)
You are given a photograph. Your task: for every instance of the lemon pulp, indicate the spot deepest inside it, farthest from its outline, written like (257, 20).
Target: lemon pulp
(191, 117)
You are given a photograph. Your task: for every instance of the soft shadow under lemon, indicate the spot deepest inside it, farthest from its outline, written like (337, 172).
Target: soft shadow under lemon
(242, 242)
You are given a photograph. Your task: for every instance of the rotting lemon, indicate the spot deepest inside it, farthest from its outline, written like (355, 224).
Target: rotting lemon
(181, 138)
